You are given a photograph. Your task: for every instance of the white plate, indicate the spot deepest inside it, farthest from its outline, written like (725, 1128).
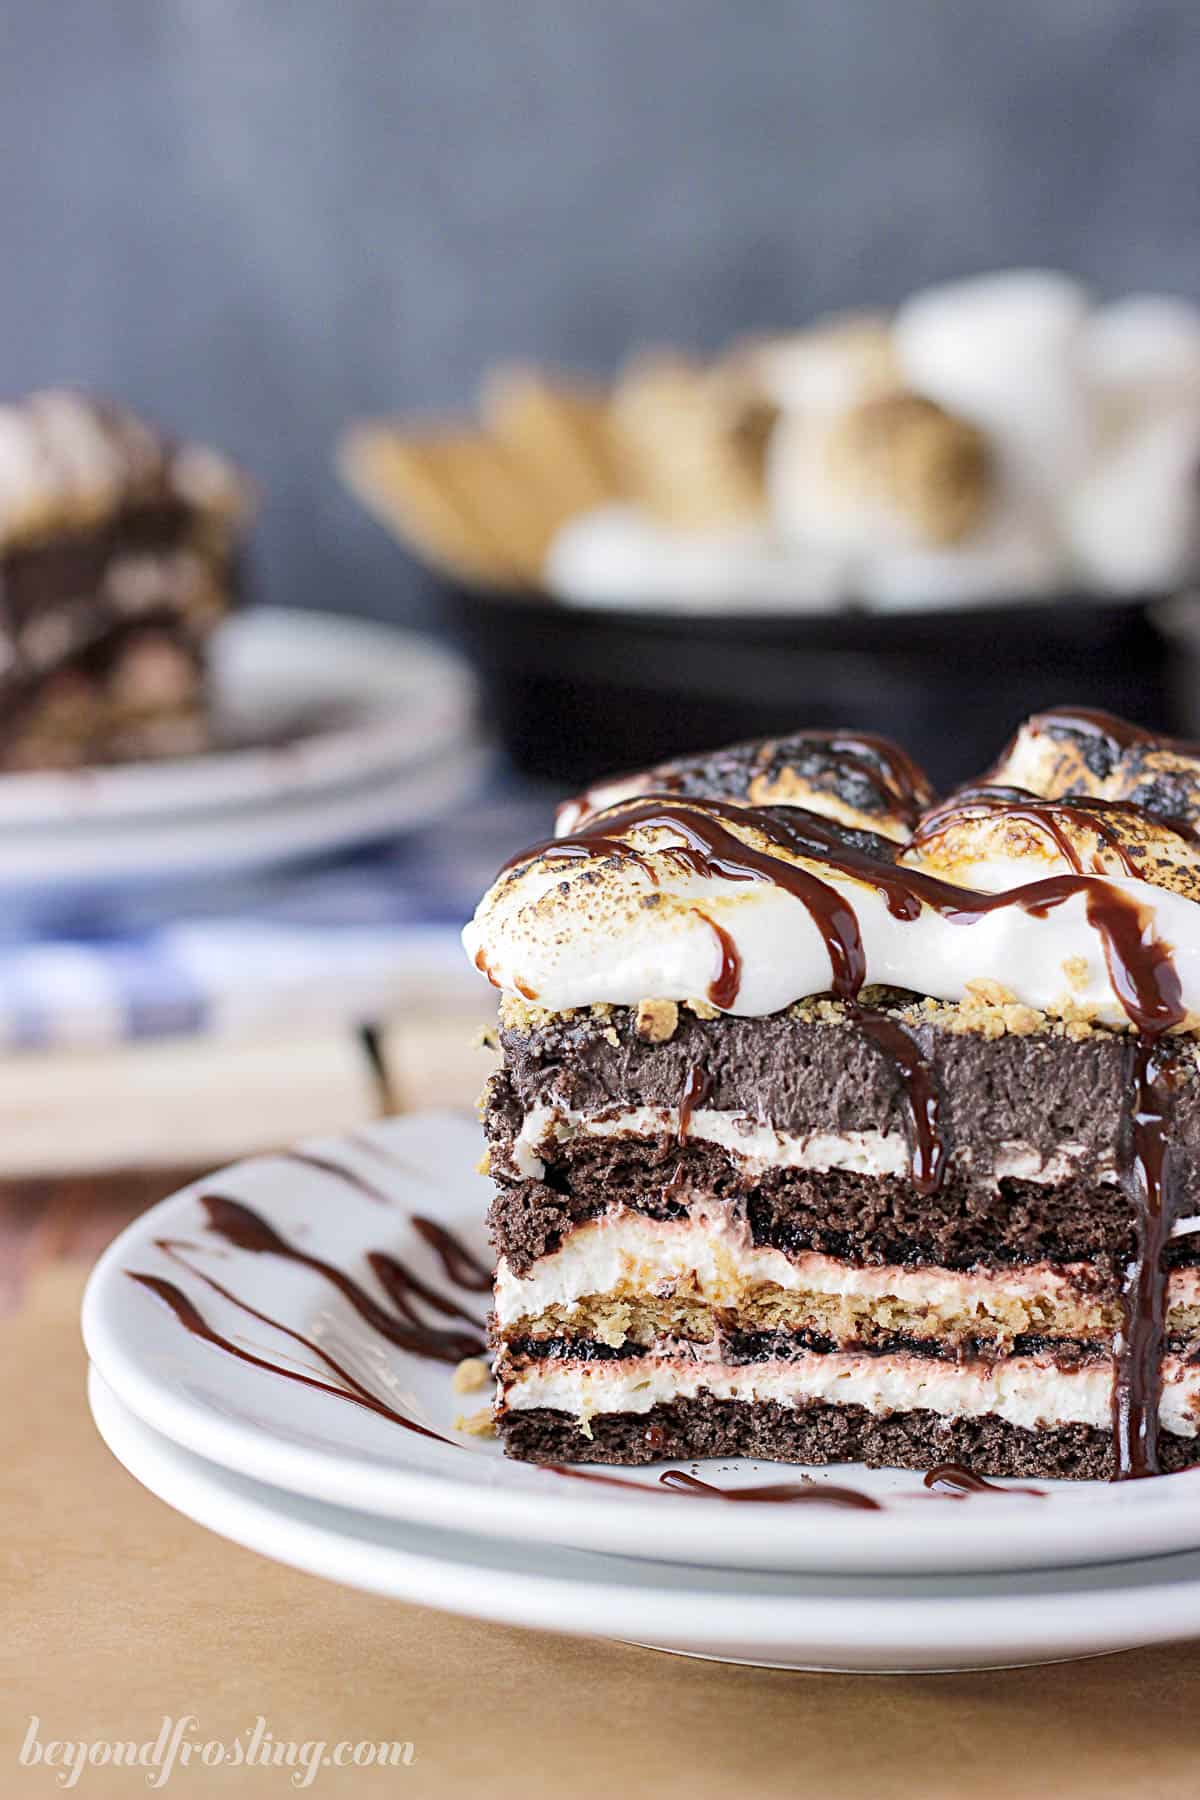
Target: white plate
(880, 1623)
(400, 749)
(273, 1429)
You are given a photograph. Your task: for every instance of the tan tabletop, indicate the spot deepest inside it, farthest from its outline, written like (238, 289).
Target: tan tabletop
(116, 1611)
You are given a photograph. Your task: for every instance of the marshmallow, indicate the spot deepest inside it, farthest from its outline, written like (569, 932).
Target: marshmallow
(1133, 522)
(889, 473)
(1014, 556)
(1143, 355)
(563, 929)
(859, 780)
(993, 839)
(827, 369)
(1076, 751)
(619, 556)
(1004, 352)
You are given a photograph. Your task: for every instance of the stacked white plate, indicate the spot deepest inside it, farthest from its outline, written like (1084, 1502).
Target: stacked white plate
(341, 1489)
(390, 742)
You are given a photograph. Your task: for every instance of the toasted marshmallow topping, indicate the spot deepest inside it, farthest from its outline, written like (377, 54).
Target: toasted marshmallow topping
(855, 778)
(1075, 750)
(67, 459)
(1087, 909)
(995, 838)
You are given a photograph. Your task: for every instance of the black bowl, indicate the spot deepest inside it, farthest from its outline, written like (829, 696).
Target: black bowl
(579, 692)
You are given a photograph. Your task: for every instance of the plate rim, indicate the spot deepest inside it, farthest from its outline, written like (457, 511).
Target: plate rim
(884, 1624)
(37, 802)
(522, 1508)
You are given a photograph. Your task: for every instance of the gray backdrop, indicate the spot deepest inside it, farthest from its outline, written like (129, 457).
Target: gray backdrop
(255, 218)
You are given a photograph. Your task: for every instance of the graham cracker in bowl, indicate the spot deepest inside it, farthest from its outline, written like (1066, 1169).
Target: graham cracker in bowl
(557, 427)
(461, 499)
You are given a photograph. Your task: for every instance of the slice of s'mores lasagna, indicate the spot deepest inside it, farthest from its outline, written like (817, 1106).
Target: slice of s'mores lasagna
(835, 1124)
(118, 558)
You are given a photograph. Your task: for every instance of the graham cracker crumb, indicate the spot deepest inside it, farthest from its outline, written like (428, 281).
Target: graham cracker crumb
(988, 993)
(484, 1165)
(1075, 968)
(656, 1020)
(477, 1424)
(1021, 1020)
(471, 1375)
(703, 1009)
(485, 1038)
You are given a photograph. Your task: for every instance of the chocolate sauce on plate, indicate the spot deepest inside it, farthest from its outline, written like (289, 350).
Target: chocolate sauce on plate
(194, 1322)
(340, 1172)
(773, 1492)
(461, 1265)
(957, 1482)
(239, 1225)
(676, 1481)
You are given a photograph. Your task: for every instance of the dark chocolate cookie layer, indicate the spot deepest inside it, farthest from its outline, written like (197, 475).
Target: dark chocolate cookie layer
(704, 1427)
(838, 1212)
(802, 1073)
(780, 1346)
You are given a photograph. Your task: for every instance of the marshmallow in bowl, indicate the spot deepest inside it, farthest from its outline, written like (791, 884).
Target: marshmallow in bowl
(1132, 522)
(619, 556)
(821, 372)
(1143, 355)
(1015, 555)
(888, 473)
(1004, 352)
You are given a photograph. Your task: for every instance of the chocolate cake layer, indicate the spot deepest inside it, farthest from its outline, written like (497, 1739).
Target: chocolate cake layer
(838, 1212)
(818, 1070)
(702, 1427)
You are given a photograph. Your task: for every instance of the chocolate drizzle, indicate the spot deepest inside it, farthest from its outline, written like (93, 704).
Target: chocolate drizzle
(194, 1322)
(461, 1265)
(1138, 1342)
(677, 1481)
(958, 1483)
(328, 1166)
(239, 1225)
(723, 989)
(774, 1492)
(697, 1087)
(922, 1098)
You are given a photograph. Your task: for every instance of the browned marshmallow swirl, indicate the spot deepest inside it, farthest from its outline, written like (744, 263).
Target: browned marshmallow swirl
(757, 907)
(855, 778)
(1077, 750)
(993, 838)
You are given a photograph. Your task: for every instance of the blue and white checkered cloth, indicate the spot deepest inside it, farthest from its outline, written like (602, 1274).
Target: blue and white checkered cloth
(343, 943)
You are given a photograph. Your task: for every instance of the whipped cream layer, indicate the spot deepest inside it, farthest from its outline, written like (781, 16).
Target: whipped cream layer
(1022, 1390)
(711, 1257)
(577, 926)
(761, 1146)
